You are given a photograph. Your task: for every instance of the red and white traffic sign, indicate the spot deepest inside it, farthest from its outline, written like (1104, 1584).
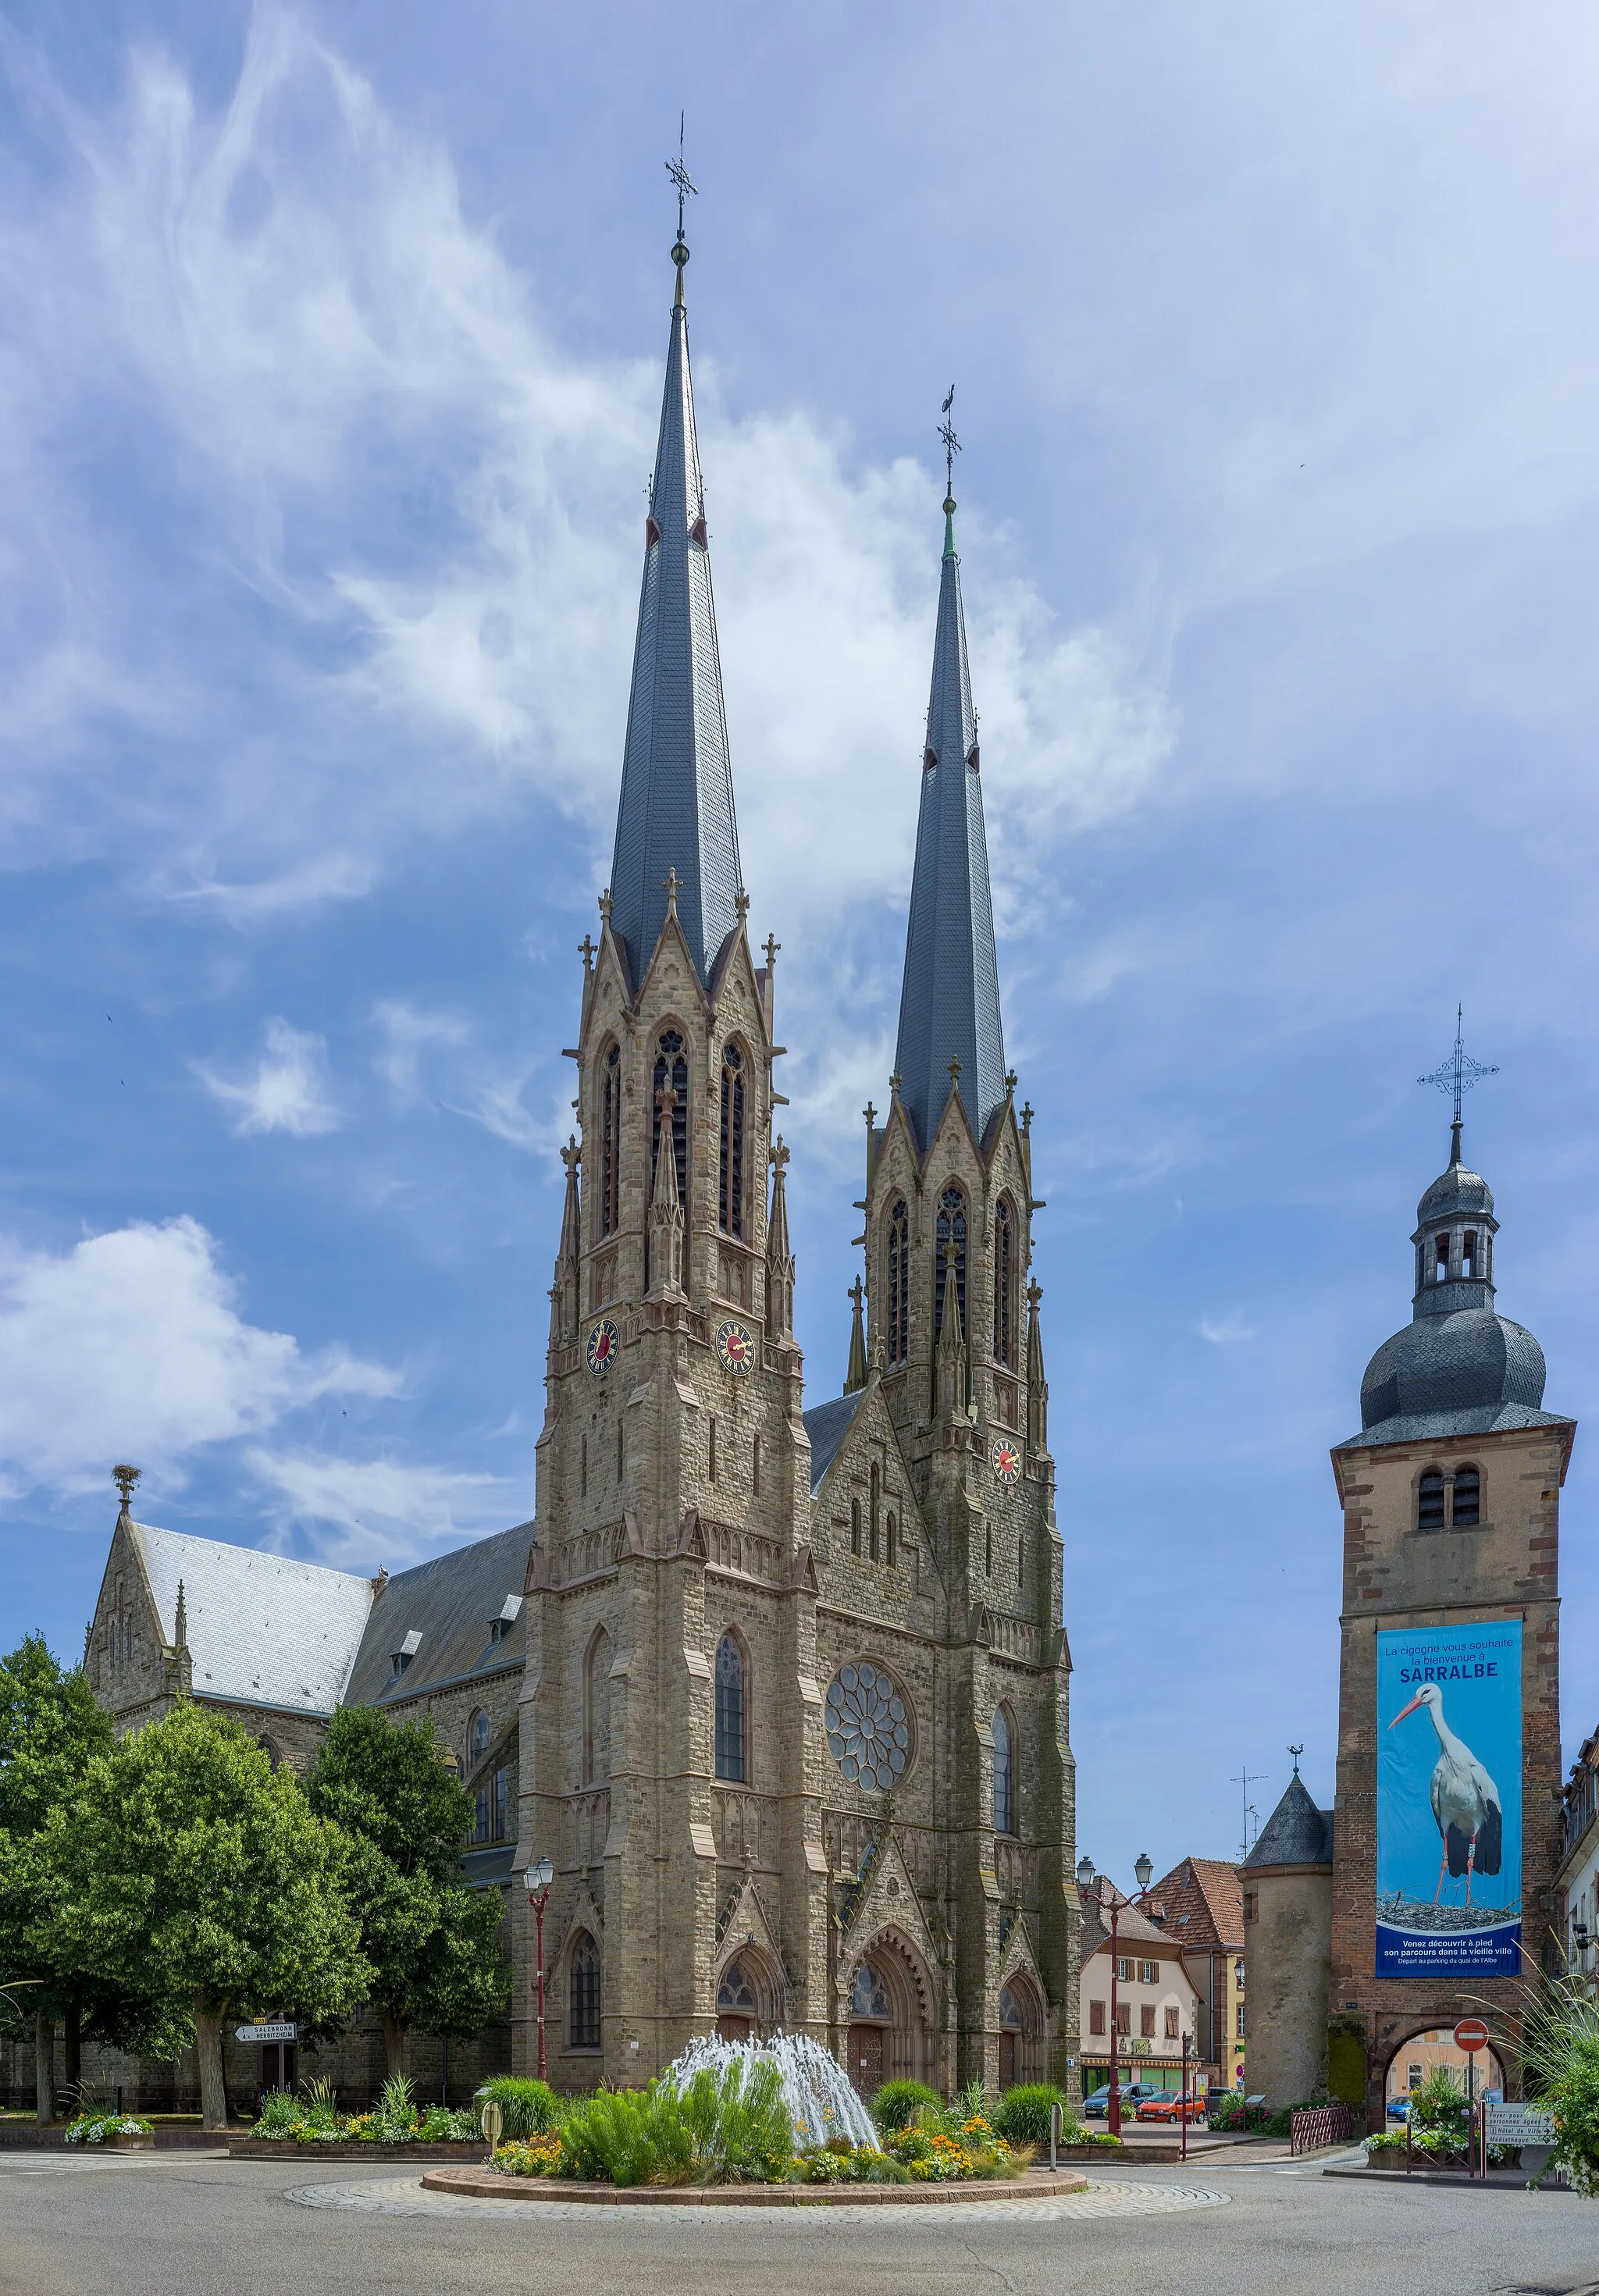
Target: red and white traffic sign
(1471, 2035)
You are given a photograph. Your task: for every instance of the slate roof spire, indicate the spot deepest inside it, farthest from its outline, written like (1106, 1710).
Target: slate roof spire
(949, 1004)
(677, 802)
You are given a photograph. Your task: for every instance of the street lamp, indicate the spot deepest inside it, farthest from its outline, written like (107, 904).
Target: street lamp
(538, 1879)
(1144, 1872)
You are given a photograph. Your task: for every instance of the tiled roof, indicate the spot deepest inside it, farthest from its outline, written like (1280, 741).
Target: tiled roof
(447, 1604)
(1132, 1927)
(262, 1628)
(949, 1004)
(676, 801)
(827, 1424)
(1203, 1899)
(1296, 1834)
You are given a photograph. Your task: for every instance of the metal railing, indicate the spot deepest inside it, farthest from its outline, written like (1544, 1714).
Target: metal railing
(1318, 2125)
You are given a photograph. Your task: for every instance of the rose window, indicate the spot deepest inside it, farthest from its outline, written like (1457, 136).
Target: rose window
(867, 1727)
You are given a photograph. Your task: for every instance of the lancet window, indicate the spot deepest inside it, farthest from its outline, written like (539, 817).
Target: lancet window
(608, 1195)
(671, 1068)
(730, 1194)
(951, 1230)
(1004, 1783)
(898, 1284)
(596, 1710)
(583, 1987)
(730, 1712)
(1004, 1285)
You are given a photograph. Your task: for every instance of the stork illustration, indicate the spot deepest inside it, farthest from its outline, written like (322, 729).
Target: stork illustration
(1465, 1800)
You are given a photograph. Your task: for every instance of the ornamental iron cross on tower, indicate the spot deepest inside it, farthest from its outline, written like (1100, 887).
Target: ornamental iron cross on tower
(1458, 1075)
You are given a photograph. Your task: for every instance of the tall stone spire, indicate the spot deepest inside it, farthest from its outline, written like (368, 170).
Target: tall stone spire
(677, 803)
(949, 1005)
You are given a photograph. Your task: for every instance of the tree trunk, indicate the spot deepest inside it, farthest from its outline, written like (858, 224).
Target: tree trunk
(72, 2051)
(394, 2044)
(208, 2057)
(44, 2063)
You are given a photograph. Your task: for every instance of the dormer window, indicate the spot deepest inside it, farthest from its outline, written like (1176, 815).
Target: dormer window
(406, 1652)
(498, 1629)
(652, 531)
(698, 535)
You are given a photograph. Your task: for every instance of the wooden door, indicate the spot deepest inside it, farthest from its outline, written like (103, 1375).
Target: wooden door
(865, 2058)
(736, 2029)
(1007, 2060)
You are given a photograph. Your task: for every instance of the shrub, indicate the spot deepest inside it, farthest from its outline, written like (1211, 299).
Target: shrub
(529, 2107)
(1022, 2114)
(440, 2126)
(279, 2112)
(1561, 2047)
(717, 2127)
(898, 2102)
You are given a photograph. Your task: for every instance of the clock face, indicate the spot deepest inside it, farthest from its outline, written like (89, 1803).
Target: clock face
(604, 1341)
(1007, 1460)
(736, 1347)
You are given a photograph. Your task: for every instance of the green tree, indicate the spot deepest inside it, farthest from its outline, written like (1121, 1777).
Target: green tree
(51, 1732)
(186, 1854)
(432, 1941)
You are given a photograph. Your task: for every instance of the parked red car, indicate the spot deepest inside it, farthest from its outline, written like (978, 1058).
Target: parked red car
(1172, 2107)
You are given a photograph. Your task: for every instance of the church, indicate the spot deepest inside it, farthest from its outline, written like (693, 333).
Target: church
(780, 1691)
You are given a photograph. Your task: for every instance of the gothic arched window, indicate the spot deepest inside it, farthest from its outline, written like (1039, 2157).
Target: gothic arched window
(730, 1181)
(609, 1209)
(476, 1738)
(583, 1992)
(1429, 1502)
(872, 1533)
(855, 1526)
(596, 1710)
(1004, 1285)
(952, 1230)
(893, 1539)
(671, 1069)
(1005, 1776)
(899, 1285)
(730, 1711)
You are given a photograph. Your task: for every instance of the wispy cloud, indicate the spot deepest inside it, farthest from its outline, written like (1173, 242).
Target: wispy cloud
(367, 1510)
(289, 1091)
(131, 1346)
(1225, 1330)
(435, 1058)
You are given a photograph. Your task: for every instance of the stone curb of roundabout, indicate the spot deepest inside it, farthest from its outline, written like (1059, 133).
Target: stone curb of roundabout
(488, 2184)
(1097, 2200)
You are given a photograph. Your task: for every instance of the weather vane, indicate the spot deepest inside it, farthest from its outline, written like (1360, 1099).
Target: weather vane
(952, 448)
(1296, 1752)
(1459, 1072)
(685, 191)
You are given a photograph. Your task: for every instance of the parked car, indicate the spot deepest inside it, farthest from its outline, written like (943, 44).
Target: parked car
(1171, 2105)
(1398, 2107)
(1096, 2106)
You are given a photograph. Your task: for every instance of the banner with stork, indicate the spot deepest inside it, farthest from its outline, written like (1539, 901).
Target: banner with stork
(1449, 1801)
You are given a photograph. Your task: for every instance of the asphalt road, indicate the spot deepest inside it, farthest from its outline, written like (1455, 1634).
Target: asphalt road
(164, 2224)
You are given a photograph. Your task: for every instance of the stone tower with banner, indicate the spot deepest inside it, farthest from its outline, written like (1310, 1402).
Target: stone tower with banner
(1440, 1859)
(792, 1718)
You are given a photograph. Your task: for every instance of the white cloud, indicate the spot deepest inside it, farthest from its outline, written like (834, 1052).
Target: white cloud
(130, 1346)
(288, 1091)
(435, 1058)
(323, 878)
(382, 1510)
(1225, 1332)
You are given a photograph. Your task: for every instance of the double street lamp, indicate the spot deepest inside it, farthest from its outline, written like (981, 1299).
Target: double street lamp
(538, 1879)
(1144, 1872)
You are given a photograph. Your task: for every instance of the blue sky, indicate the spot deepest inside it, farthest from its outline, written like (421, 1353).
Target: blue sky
(330, 356)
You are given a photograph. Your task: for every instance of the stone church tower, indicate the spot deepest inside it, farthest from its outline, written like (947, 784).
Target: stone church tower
(793, 1708)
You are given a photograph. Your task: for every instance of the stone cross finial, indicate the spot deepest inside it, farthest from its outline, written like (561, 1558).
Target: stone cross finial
(606, 905)
(571, 1154)
(870, 1113)
(1026, 1116)
(585, 950)
(741, 902)
(779, 1152)
(895, 1081)
(125, 1478)
(674, 885)
(955, 1072)
(772, 947)
(1010, 1084)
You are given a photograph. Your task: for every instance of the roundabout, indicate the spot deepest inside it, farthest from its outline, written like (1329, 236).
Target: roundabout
(1093, 2199)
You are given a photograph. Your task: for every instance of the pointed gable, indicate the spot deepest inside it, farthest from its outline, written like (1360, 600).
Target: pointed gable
(676, 801)
(949, 1004)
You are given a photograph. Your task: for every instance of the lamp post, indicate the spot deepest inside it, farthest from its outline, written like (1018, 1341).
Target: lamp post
(538, 1879)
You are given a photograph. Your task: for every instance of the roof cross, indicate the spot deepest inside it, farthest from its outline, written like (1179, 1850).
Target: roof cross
(1459, 1072)
(772, 946)
(952, 445)
(673, 883)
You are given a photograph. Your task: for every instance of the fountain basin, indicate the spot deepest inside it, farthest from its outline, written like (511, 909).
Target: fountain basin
(488, 2184)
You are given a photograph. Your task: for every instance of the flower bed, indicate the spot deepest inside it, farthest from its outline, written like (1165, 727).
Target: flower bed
(120, 2131)
(312, 2118)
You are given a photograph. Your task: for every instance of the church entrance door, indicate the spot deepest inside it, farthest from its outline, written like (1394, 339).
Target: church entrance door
(736, 2029)
(1007, 2060)
(865, 2058)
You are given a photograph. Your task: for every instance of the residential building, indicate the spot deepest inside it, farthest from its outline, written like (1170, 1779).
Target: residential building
(1156, 2004)
(1577, 1881)
(1198, 1906)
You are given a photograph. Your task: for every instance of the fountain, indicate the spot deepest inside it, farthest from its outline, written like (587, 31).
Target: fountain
(815, 2088)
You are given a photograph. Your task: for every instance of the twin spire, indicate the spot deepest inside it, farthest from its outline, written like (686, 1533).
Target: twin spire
(677, 812)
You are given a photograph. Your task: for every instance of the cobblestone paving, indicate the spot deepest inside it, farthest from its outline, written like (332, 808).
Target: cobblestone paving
(392, 2197)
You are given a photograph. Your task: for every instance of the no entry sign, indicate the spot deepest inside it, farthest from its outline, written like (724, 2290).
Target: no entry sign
(1471, 2035)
